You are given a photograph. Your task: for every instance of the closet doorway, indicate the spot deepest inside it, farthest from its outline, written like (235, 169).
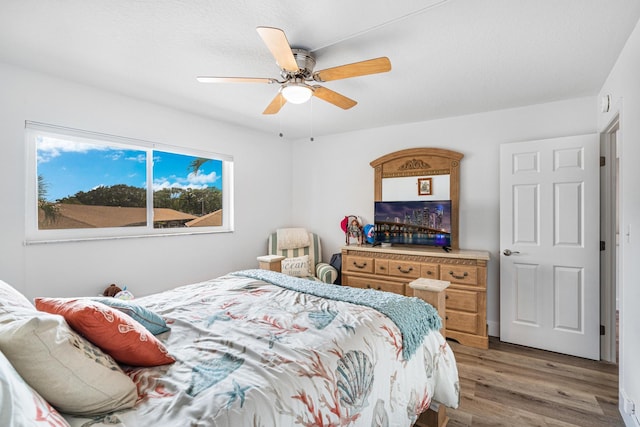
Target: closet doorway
(609, 240)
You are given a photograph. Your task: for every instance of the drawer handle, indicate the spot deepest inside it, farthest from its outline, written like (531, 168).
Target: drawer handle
(465, 274)
(446, 297)
(429, 273)
(356, 265)
(382, 267)
(378, 288)
(405, 271)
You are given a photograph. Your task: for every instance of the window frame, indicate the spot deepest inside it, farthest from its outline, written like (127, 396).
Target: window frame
(33, 235)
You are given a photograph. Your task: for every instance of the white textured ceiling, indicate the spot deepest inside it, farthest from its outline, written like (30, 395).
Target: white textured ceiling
(449, 57)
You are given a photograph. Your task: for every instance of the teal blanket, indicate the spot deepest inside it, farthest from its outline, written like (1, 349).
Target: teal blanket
(414, 317)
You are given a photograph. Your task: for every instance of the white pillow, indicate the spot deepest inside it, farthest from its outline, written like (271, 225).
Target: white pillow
(11, 298)
(20, 405)
(68, 371)
(298, 266)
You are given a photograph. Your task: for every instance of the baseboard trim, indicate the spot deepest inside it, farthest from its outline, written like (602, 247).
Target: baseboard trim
(493, 328)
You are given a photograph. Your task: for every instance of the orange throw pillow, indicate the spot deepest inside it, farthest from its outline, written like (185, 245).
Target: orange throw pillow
(115, 332)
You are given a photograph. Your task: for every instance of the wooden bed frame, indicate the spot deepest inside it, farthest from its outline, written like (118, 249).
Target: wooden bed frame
(433, 417)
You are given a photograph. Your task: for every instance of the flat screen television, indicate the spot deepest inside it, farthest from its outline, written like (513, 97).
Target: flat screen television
(423, 222)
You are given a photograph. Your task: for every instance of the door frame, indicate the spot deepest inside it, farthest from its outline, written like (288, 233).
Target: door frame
(609, 218)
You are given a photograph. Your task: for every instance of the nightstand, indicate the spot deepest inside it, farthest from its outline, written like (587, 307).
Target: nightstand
(271, 262)
(433, 292)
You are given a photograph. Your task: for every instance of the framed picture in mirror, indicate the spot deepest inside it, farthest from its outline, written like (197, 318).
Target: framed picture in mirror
(424, 187)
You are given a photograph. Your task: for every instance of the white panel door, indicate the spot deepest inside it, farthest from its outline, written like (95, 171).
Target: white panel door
(549, 239)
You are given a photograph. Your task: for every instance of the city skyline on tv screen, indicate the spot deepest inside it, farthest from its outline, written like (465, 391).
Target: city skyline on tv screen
(424, 222)
(435, 214)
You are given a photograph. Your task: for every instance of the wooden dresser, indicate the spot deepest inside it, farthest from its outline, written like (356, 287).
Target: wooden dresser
(391, 269)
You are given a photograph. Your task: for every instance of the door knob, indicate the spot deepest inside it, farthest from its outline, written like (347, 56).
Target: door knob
(509, 252)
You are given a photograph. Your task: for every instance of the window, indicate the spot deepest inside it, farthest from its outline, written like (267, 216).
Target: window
(84, 185)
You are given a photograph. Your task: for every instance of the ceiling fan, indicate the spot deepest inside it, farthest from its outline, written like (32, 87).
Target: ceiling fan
(298, 78)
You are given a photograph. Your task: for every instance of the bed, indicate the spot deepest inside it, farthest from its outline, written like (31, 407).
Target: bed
(251, 348)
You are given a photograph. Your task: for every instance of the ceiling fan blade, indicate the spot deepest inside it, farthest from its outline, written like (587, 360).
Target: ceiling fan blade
(207, 79)
(370, 66)
(333, 97)
(275, 105)
(276, 41)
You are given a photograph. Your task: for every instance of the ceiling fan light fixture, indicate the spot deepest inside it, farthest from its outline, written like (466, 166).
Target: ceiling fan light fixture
(297, 93)
(297, 70)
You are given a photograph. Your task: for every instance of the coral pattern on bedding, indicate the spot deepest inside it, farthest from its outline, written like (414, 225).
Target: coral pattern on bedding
(20, 405)
(249, 353)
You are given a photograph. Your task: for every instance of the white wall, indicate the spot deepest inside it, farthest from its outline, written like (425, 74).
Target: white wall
(337, 180)
(143, 265)
(623, 84)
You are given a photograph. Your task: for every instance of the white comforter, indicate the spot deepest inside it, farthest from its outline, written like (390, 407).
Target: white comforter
(254, 354)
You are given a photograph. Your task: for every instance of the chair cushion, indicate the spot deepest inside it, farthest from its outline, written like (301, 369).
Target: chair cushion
(291, 238)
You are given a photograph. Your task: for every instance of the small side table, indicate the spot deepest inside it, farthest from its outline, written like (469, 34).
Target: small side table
(271, 262)
(432, 292)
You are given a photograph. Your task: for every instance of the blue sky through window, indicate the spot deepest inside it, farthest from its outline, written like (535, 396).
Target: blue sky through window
(70, 166)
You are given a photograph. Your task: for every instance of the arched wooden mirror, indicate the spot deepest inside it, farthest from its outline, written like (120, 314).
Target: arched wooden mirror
(420, 174)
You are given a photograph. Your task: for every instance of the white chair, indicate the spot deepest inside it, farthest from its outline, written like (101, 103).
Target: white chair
(323, 272)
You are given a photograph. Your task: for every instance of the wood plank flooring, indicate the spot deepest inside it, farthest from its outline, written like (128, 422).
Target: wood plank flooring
(510, 385)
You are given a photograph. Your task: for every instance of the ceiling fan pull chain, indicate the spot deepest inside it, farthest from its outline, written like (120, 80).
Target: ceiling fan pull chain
(280, 134)
(311, 106)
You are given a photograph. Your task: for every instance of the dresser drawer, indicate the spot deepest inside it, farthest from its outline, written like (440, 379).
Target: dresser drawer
(463, 274)
(408, 269)
(392, 269)
(462, 300)
(430, 271)
(382, 267)
(357, 263)
(461, 321)
(381, 285)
